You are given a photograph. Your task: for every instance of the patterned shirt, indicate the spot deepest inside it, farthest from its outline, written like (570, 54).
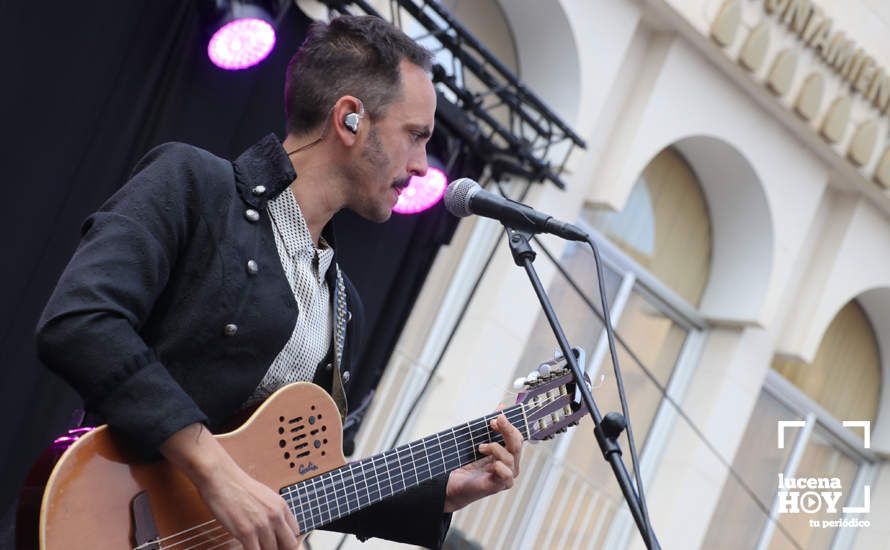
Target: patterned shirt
(304, 266)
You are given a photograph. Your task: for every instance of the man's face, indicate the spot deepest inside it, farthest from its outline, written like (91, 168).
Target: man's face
(394, 149)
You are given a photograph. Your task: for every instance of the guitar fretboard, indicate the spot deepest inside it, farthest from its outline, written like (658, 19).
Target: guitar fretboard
(322, 499)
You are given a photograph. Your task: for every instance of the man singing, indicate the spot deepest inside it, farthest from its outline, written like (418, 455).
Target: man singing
(203, 285)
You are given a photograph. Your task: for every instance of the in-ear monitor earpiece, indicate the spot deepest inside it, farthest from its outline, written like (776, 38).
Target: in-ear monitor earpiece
(351, 122)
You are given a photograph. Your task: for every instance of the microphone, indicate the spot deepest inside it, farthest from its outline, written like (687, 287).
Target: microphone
(464, 197)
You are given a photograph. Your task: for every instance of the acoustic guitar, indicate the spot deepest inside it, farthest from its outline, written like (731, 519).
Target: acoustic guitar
(100, 496)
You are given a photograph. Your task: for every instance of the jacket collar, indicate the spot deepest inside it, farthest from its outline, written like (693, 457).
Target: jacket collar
(266, 163)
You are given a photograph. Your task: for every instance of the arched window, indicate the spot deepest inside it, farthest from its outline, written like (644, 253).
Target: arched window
(845, 375)
(664, 225)
(842, 383)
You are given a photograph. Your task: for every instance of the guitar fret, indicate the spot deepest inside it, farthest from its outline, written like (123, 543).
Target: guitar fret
(336, 496)
(456, 448)
(472, 440)
(414, 463)
(442, 453)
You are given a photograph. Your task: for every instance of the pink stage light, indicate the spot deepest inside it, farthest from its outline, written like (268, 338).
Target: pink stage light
(422, 192)
(241, 43)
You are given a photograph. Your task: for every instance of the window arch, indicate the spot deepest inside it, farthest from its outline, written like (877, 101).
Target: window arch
(664, 225)
(845, 375)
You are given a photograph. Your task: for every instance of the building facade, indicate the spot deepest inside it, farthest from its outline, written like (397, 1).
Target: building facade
(736, 180)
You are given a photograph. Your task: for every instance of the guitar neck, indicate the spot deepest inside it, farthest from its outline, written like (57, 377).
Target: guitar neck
(322, 499)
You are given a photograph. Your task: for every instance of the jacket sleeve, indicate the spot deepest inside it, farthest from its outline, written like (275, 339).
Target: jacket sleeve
(412, 517)
(89, 331)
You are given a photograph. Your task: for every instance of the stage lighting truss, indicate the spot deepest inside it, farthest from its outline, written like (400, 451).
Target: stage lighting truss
(507, 126)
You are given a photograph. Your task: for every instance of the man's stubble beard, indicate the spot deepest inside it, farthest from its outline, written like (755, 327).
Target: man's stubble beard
(376, 162)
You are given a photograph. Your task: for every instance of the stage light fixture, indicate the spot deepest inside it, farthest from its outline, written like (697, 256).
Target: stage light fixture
(243, 34)
(422, 192)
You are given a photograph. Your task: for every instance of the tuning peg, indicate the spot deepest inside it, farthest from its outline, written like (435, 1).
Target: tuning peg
(519, 383)
(544, 370)
(532, 377)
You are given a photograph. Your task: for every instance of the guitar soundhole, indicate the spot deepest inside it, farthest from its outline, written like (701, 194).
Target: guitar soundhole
(300, 437)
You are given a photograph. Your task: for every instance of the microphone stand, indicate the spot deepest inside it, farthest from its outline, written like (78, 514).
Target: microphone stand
(606, 430)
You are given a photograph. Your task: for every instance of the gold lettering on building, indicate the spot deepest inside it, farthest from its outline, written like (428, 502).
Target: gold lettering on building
(860, 72)
(852, 63)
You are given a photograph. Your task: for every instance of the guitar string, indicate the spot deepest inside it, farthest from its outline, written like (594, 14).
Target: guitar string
(324, 492)
(375, 470)
(220, 545)
(222, 535)
(319, 501)
(480, 425)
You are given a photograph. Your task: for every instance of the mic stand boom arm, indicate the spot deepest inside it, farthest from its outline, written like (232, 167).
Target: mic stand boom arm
(606, 430)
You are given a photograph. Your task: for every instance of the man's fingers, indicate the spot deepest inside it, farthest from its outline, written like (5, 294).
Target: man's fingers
(292, 521)
(250, 543)
(499, 453)
(503, 473)
(267, 536)
(512, 439)
(287, 530)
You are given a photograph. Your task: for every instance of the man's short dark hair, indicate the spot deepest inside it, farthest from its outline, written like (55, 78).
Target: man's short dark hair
(351, 55)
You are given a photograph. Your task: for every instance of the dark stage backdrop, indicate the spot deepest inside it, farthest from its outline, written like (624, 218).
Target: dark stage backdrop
(89, 87)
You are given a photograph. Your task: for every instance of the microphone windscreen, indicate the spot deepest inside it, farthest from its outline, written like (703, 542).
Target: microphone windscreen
(458, 195)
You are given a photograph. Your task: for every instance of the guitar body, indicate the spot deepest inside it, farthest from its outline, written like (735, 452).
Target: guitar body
(89, 498)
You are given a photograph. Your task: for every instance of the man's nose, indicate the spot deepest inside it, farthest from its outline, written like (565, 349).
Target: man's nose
(418, 165)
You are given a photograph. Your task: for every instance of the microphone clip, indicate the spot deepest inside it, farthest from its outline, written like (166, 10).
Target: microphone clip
(520, 245)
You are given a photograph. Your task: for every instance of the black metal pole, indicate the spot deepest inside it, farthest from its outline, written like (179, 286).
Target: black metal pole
(606, 431)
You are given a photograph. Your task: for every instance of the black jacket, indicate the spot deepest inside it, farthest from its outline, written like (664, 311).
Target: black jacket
(159, 322)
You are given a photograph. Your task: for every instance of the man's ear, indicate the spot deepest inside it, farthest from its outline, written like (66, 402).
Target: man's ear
(347, 119)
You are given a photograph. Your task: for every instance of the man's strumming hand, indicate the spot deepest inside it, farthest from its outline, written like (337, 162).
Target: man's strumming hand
(251, 512)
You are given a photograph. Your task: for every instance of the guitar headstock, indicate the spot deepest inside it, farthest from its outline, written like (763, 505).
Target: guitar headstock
(551, 398)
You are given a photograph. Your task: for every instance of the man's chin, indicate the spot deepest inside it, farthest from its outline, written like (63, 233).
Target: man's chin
(376, 216)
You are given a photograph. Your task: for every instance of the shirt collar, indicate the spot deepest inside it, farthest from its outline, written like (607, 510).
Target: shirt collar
(294, 233)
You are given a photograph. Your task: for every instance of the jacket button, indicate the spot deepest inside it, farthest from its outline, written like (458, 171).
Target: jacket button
(345, 376)
(252, 215)
(252, 267)
(329, 367)
(231, 329)
(258, 190)
(348, 316)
